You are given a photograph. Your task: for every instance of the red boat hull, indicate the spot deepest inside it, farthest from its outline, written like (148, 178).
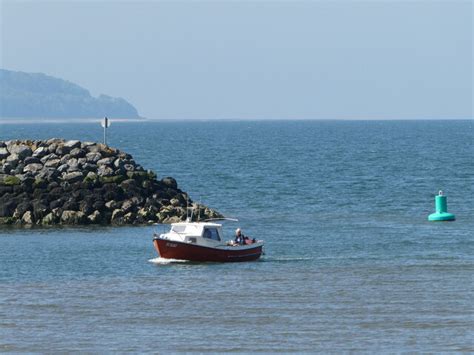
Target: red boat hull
(185, 251)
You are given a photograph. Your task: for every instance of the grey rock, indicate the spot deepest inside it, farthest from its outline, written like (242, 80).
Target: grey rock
(129, 218)
(49, 219)
(112, 205)
(28, 218)
(129, 167)
(73, 176)
(54, 140)
(119, 163)
(3, 153)
(19, 168)
(62, 150)
(33, 167)
(170, 182)
(73, 217)
(48, 174)
(32, 160)
(175, 202)
(48, 157)
(72, 161)
(21, 150)
(94, 217)
(93, 157)
(52, 163)
(105, 161)
(89, 167)
(127, 206)
(85, 145)
(117, 216)
(13, 160)
(105, 171)
(52, 147)
(62, 168)
(91, 175)
(6, 168)
(72, 144)
(41, 152)
(73, 168)
(77, 153)
(65, 158)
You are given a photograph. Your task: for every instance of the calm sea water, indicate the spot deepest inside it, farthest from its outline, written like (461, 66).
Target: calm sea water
(352, 263)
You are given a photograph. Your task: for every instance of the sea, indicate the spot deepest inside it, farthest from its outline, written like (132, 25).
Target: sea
(351, 262)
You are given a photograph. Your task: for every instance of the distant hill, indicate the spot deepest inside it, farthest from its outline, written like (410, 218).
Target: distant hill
(32, 95)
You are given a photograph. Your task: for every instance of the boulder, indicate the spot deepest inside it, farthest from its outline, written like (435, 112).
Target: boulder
(7, 208)
(73, 176)
(73, 217)
(93, 157)
(52, 163)
(48, 174)
(127, 206)
(21, 150)
(94, 217)
(41, 152)
(32, 160)
(28, 218)
(77, 153)
(170, 182)
(104, 170)
(33, 167)
(13, 160)
(86, 145)
(129, 167)
(112, 205)
(72, 144)
(49, 219)
(3, 153)
(129, 218)
(62, 150)
(117, 217)
(105, 161)
(47, 157)
(6, 168)
(69, 182)
(63, 168)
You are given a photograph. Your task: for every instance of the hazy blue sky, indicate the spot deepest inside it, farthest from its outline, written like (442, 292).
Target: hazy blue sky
(254, 59)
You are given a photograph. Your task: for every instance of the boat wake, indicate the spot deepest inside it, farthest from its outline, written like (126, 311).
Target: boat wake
(285, 259)
(164, 261)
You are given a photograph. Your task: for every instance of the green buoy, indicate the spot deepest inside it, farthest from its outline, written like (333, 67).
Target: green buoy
(441, 213)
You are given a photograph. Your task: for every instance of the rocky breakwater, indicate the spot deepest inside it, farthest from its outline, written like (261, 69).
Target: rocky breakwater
(47, 182)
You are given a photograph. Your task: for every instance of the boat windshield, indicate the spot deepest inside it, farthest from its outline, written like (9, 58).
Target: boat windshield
(185, 229)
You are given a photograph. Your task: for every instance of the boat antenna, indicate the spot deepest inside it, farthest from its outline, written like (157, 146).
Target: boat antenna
(189, 216)
(199, 211)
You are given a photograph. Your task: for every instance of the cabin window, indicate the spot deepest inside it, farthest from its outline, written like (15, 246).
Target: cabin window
(211, 233)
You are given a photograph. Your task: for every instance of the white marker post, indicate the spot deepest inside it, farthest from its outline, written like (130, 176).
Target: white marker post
(105, 123)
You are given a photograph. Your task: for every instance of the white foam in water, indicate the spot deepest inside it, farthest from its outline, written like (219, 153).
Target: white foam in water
(163, 261)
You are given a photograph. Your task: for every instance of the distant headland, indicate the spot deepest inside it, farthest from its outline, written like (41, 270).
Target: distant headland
(48, 182)
(36, 95)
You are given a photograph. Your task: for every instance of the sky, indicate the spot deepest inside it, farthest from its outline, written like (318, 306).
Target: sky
(228, 59)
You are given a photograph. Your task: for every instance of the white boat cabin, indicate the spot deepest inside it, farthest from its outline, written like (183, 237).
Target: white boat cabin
(201, 233)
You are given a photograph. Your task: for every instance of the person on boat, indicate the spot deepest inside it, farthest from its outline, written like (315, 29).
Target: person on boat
(239, 237)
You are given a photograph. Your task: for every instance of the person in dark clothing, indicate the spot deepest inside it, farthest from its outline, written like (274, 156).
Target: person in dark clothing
(239, 237)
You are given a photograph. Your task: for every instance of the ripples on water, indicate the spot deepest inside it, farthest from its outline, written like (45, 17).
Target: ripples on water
(351, 262)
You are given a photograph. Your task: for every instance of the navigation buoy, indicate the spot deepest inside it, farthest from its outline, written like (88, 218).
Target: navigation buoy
(441, 213)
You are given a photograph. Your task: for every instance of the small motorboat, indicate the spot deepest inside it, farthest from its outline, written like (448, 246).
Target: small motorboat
(204, 241)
